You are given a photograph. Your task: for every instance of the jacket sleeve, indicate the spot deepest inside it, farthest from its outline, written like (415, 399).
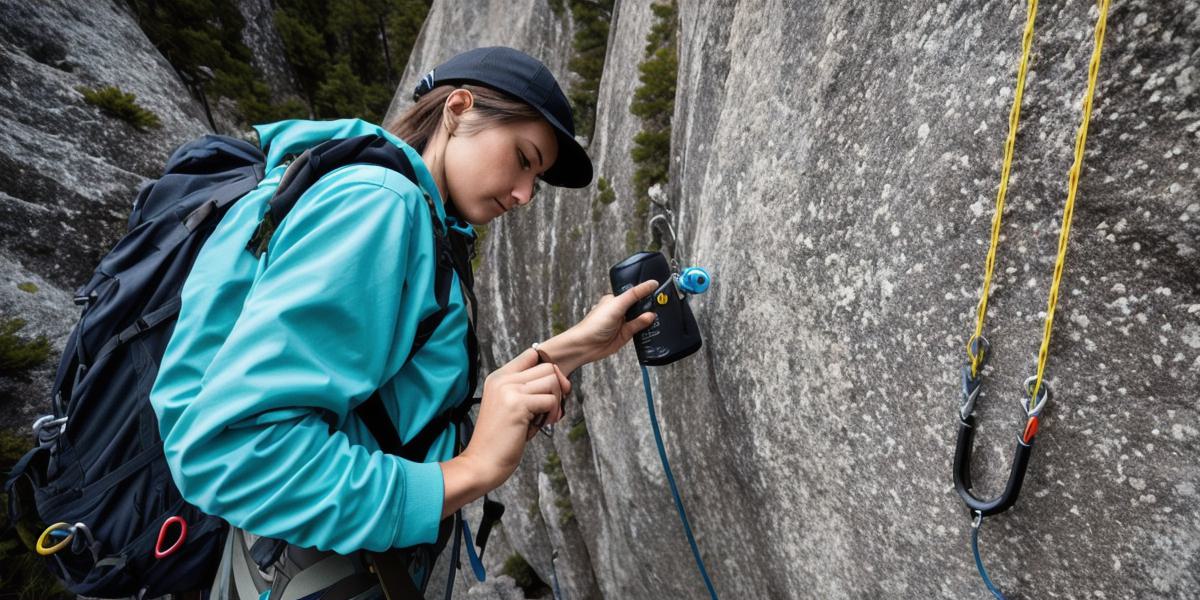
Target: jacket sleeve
(322, 327)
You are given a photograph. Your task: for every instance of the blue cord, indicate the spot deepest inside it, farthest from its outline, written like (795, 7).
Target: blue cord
(662, 453)
(472, 556)
(979, 562)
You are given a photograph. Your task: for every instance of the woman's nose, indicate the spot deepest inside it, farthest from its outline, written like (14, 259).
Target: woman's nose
(523, 193)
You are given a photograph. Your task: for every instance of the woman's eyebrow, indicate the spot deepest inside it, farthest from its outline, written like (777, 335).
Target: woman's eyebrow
(539, 153)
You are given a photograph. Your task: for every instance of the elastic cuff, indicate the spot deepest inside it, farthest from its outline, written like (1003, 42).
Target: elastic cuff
(421, 511)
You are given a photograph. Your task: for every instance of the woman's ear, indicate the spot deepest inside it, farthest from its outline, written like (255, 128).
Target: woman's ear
(457, 104)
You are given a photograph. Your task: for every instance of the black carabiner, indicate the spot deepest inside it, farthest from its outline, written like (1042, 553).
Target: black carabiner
(962, 472)
(978, 349)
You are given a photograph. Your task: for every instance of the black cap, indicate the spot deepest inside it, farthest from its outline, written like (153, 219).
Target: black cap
(527, 79)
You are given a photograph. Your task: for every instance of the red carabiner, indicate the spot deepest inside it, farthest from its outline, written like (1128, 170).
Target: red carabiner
(159, 553)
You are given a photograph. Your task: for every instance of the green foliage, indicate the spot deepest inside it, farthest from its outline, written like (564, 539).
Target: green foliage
(558, 316)
(23, 577)
(590, 45)
(556, 7)
(121, 105)
(579, 431)
(28, 287)
(607, 195)
(562, 491)
(347, 54)
(654, 103)
(481, 232)
(19, 355)
(527, 579)
(202, 39)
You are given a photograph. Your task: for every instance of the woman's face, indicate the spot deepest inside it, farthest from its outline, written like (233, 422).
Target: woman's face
(494, 169)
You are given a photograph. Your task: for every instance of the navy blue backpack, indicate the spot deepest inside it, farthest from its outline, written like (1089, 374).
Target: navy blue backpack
(95, 497)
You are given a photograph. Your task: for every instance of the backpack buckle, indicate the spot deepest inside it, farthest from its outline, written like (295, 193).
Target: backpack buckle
(42, 423)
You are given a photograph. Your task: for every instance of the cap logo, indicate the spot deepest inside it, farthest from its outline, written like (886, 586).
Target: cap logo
(425, 85)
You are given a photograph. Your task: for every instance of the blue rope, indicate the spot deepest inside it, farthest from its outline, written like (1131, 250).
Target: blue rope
(662, 453)
(979, 562)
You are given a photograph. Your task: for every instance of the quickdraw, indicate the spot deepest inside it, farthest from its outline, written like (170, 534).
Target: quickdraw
(1037, 393)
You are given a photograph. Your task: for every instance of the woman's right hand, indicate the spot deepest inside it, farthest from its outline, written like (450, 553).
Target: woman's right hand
(513, 397)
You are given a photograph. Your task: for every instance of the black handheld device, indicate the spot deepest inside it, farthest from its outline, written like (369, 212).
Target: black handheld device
(675, 334)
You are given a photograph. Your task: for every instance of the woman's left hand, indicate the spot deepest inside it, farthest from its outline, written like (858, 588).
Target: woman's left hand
(602, 332)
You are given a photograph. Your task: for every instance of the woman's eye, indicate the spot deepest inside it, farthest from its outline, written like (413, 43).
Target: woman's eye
(521, 160)
(537, 189)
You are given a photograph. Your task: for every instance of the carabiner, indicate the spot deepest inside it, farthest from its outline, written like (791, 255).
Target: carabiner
(52, 530)
(962, 472)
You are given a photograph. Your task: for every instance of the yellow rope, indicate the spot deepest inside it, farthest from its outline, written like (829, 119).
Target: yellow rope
(1014, 117)
(1072, 186)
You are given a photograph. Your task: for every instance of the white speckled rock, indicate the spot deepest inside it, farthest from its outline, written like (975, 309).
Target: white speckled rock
(835, 165)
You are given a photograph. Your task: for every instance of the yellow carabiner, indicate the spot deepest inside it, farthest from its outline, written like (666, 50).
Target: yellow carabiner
(41, 543)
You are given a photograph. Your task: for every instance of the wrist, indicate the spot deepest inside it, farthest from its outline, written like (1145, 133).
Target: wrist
(464, 481)
(565, 350)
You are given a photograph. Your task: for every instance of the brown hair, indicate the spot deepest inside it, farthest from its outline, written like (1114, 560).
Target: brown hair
(420, 122)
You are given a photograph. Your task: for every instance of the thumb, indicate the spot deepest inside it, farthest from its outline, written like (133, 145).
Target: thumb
(632, 295)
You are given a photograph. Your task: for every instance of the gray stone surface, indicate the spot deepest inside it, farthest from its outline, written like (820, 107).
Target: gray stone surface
(835, 166)
(266, 48)
(69, 170)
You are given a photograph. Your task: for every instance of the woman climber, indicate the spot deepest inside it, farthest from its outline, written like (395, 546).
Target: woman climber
(257, 392)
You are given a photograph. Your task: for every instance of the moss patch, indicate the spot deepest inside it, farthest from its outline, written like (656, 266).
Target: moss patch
(481, 232)
(20, 355)
(120, 105)
(527, 579)
(558, 318)
(28, 287)
(562, 492)
(579, 431)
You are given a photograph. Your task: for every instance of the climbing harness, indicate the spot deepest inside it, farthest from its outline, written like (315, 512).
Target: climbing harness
(673, 336)
(1036, 389)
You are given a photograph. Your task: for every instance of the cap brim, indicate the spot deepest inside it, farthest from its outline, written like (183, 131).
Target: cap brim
(573, 167)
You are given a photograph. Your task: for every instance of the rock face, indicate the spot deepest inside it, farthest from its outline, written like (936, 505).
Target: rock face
(835, 166)
(266, 48)
(70, 170)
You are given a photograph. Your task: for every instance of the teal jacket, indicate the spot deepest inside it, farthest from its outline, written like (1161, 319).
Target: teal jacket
(256, 392)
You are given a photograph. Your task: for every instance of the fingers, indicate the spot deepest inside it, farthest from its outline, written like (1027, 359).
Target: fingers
(563, 382)
(549, 384)
(643, 321)
(536, 372)
(523, 362)
(545, 404)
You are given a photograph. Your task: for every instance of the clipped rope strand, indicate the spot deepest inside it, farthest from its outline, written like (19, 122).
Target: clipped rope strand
(1072, 188)
(1014, 118)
